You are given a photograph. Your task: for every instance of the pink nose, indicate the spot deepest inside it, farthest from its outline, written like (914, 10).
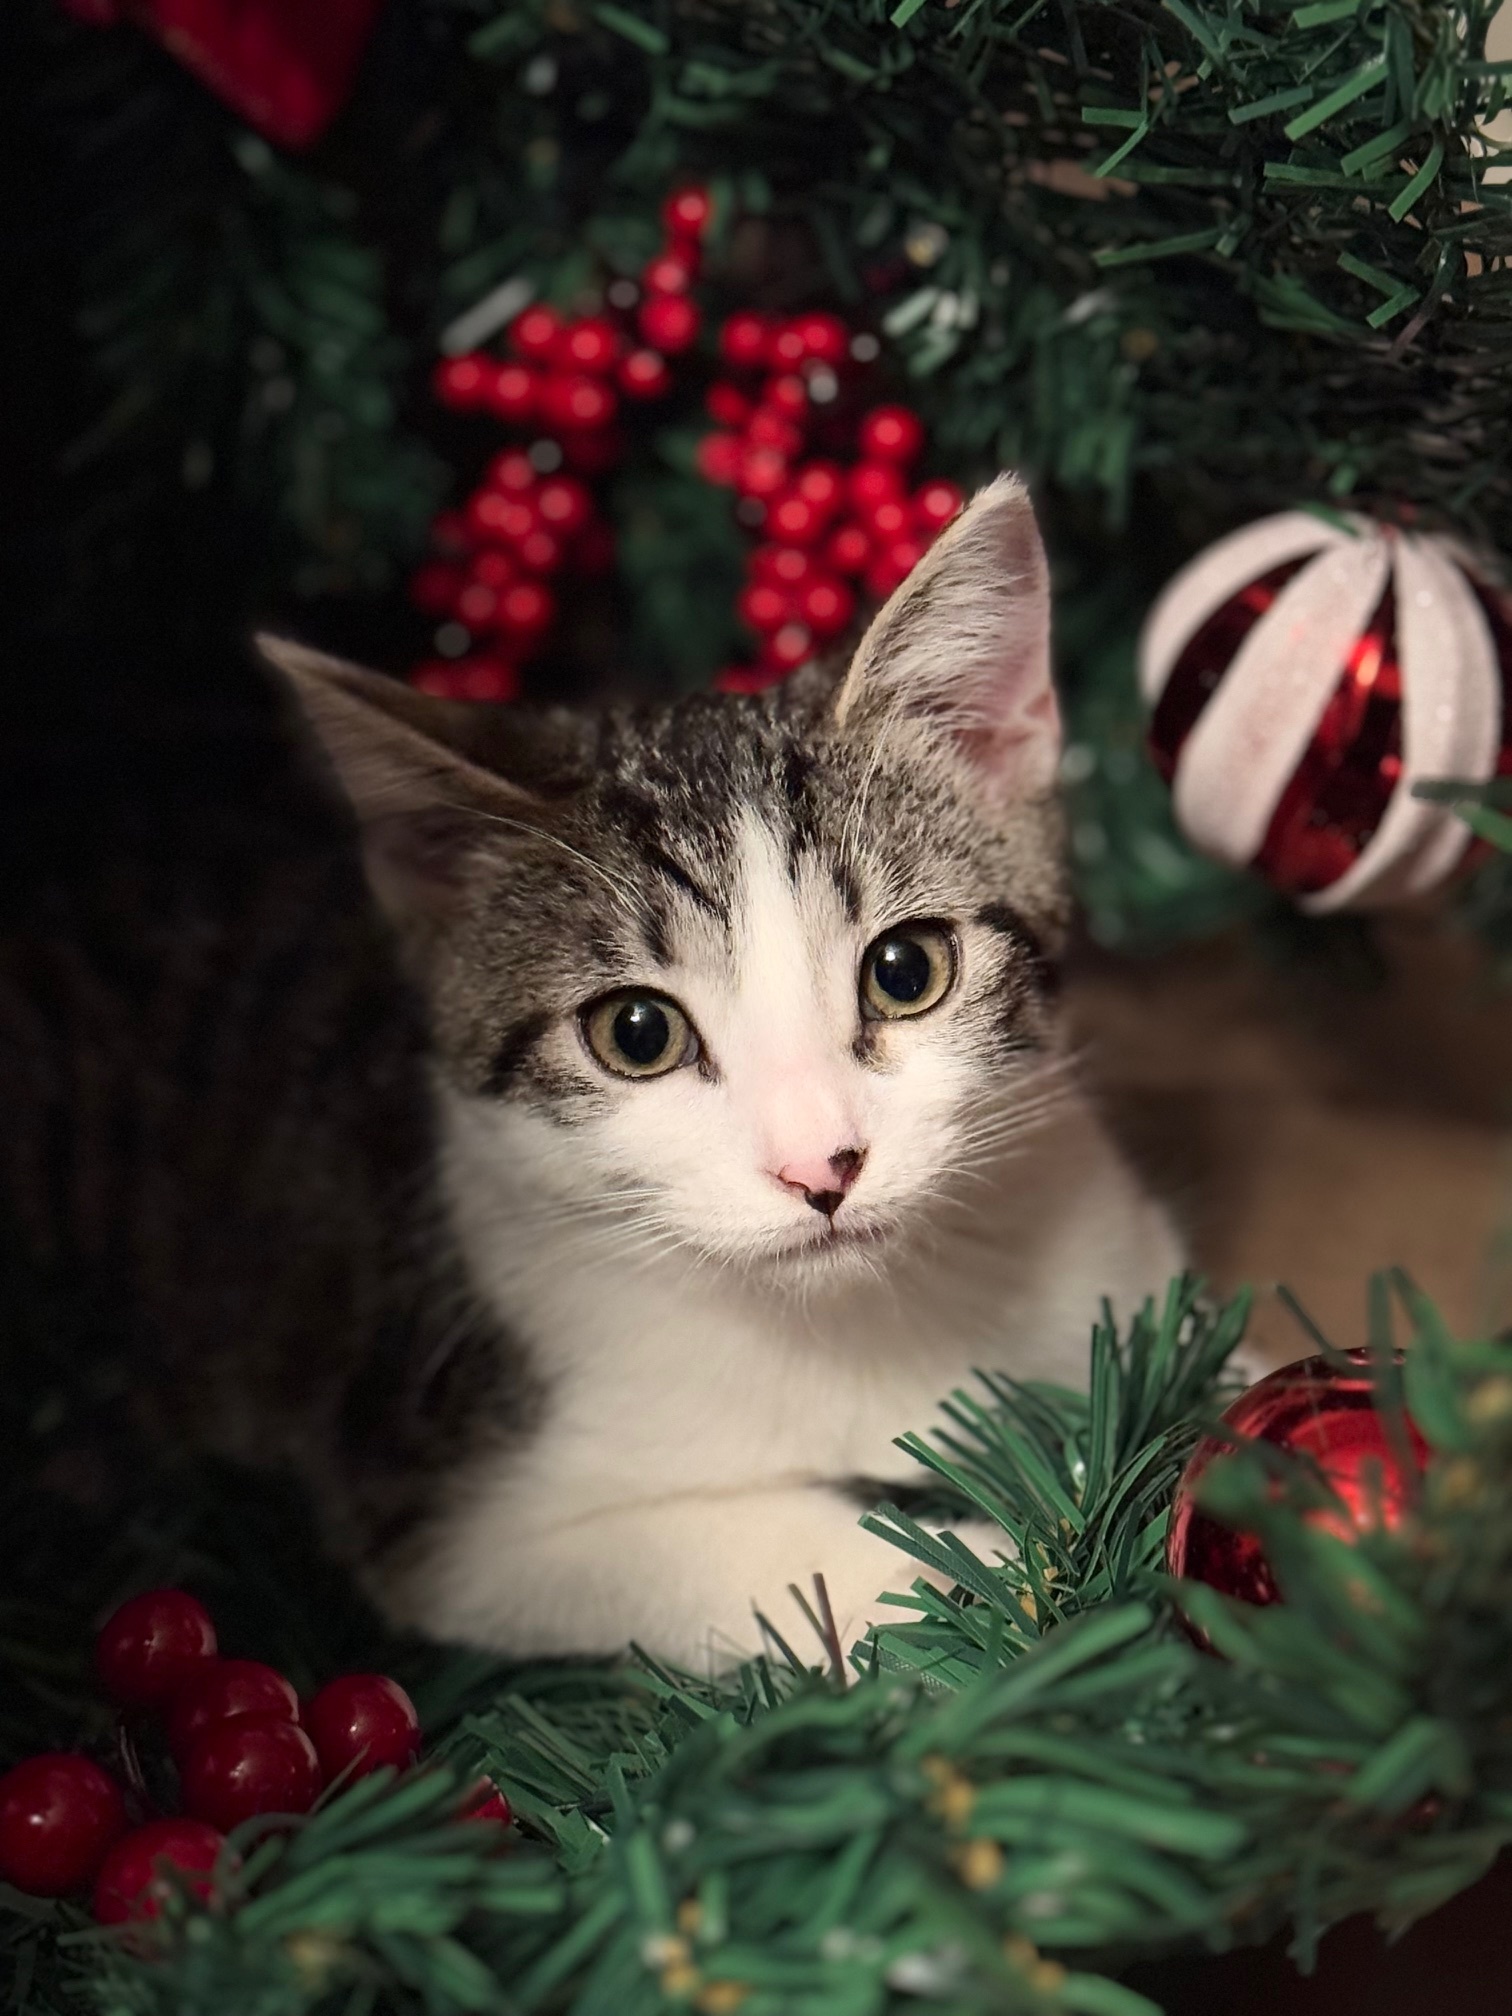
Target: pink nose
(822, 1181)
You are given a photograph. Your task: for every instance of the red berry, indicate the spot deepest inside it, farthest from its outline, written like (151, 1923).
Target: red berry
(719, 457)
(825, 338)
(644, 375)
(763, 607)
(526, 611)
(480, 677)
(478, 605)
(747, 679)
(462, 382)
(770, 429)
(892, 566)
(576, 402)
(890, 434)
(670, 273)
(794, 520)
(540, 551)
(435, 586)
(58, 1815)
(232, 1687)
(727, 404)
(564, 504)
(848, 550)
(513, 471)
(888, 519)
(787, 348)
(871, 482)
(686, 212)
(826, 605)
(745, 341)
(144, 1868)
(361, 1721)
(493, 515)
(152, 1645)
(534, 334)
(493, 568)
(823, 484)
(669, 323)
(789, 647)
(252, 1764)
(763, 472)
(786, 394)
(788, 566)
(591, 344)
(935, 505)
(512, 393)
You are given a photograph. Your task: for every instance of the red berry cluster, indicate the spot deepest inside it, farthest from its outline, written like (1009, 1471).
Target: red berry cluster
(244, 1746)
(532, 517)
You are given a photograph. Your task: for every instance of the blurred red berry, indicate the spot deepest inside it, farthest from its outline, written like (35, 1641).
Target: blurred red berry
(687, 212)
(565, 505)
(870, 482)
(823, 484)
(763, 607)
(788, 566)
(541, 552)
(794, 521)
(825, 338)
(574, 401)
(534, 334)
(763, 472)
(591, 344)
(727, 404)
(481, 677)
(252, 1764)
(434, 587)
(890, 434)
(745, 341)
(848, 550)
(58, 1815)
(362, 1721)
(461, 382)
(770, 429)
(527, 611)
(231, 1687)
(513, 471)
(512, 393)
(826, 605)
(644, 375)
(669, 274)
(789, 647)
(719, 457)
(935, 504)
(148, 1648)
(892, 566)
(888, 519)
(478, 605)
(787, 394)
(669, 323)
(493, 567)
(787, 350)
(144, 1867)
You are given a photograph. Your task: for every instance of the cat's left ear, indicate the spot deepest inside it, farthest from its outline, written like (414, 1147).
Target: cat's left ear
(962, 651)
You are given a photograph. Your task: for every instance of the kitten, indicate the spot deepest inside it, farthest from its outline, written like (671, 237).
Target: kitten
(758, 1130)
(581, 1219)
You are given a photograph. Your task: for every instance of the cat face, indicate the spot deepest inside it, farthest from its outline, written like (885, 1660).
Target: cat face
(758, 979)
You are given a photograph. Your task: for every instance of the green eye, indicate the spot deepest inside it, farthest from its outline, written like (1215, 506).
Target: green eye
(907, 971)
(639, 1035)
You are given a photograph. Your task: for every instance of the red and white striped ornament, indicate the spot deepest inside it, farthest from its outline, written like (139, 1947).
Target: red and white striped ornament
(1303, 676)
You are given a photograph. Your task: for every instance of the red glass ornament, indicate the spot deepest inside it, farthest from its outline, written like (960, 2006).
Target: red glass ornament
(872, 483)
(763, 472)
(149, 1647)
(687, 212)
(477, 678)
(513, 472)
(670, 273)
(541, 552)
(892, 566)
(745, 341)
(890, 434)
(787, 348)
(144, 1867)
(462, 382)
(935, 504)
(513, 393)
(727, 404)
(644, 375)
(763, 607)
(825, 339)
(826, 606)
(526, 612)
(823, 484)
(435, 586)
(770, 429)
(362, 1721)
(789, 647)
(58, 1815)
(719, 458)
(576, 402)
(590, 344)
(1314, 1410)
(794, 520)
(669, 323)
(848, 550)
(535, 333)
(230, 1687)
(786, 394)
(565, 505)
(252, 1764)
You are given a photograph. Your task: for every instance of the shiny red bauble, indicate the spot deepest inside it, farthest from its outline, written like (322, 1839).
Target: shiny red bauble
(58, 1815)
(144, 1868)
(152, 1645)
(250, 1765)
(1314, 1410)
(228, 1688)
(361, 1721)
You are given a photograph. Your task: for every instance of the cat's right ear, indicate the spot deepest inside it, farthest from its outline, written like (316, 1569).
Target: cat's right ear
(424, 808)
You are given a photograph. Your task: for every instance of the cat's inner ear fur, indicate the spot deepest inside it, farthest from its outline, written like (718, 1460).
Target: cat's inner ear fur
(962, 650)
(424, 807)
